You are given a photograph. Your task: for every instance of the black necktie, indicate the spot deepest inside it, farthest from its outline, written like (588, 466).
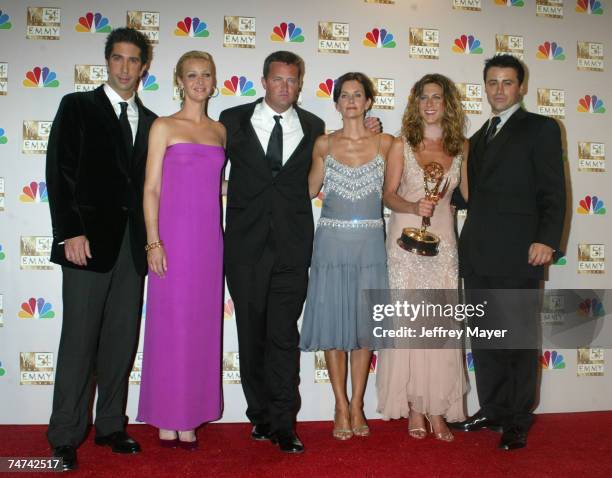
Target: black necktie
(274, 154)
(126, 129)
(491, 130)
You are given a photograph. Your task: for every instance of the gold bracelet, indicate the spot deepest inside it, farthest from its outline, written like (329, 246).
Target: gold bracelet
(154, 245)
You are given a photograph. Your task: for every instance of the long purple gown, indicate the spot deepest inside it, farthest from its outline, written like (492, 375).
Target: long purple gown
(181, 372)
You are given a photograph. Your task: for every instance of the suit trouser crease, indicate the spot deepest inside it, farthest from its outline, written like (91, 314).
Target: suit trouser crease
(98, 341)
(268, 299)
(506, 379)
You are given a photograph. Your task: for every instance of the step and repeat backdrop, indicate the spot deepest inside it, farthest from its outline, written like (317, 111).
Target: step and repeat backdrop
(51, 48)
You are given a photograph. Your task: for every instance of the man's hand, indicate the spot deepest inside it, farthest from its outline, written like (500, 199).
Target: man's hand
(540, 254)
(374, 124)
(77, 250)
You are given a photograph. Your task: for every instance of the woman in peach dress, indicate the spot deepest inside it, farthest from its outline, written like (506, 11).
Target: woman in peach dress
(424, 384)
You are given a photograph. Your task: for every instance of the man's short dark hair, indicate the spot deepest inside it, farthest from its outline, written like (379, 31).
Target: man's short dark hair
(129, 35)
(286, 57)
(362, 79)
(505, 61)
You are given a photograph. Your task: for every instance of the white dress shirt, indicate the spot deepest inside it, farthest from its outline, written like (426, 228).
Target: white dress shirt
(504, 116)
(132, 110)
(263, 123)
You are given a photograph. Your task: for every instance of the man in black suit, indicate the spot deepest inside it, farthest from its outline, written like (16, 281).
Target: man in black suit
(95, 173)
(513, 227)
(268, 242)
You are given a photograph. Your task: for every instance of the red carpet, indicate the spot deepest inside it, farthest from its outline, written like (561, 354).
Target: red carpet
(560, 445)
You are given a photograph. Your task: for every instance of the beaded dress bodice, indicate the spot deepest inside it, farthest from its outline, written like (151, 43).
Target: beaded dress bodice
(353, 195)
(411, 271)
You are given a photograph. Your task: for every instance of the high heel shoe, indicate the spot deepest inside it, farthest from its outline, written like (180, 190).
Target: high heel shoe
(341, 433)
(446, 436)
(361, 430)
(188, 445)
(416, 432)
(169, 442)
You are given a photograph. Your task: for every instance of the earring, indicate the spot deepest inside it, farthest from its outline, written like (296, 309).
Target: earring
(181, 93)
(215, 93)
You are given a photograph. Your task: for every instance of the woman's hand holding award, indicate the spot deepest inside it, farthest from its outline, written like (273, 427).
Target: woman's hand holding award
(419, 240)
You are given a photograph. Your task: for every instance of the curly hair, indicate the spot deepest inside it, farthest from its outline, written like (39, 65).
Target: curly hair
(453, 120)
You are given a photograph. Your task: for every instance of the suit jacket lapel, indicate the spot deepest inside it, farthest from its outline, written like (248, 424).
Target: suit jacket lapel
(246, 128)
(114, 129)
(476, 155)
(493, 150)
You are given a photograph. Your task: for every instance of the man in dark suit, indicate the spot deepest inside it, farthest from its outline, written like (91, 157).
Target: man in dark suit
(513, 227)
(95, 173)
(268, 242)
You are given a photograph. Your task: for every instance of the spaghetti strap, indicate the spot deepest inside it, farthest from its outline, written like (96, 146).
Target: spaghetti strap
(379, 141)
(329, 144)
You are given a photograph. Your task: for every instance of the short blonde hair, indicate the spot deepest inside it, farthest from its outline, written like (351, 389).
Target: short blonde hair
(195, 55)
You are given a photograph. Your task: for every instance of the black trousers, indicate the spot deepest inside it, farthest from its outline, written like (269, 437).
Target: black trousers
(98, 342)
(268, 298)
(506, 378)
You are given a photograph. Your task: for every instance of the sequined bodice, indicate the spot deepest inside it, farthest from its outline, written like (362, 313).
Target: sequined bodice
(353, 194)
(411, 271)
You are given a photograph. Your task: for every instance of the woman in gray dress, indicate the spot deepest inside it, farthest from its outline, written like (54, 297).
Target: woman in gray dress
(349, 249)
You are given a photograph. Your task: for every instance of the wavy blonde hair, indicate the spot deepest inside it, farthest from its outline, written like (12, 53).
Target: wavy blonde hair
(195, 55)
(453, 120)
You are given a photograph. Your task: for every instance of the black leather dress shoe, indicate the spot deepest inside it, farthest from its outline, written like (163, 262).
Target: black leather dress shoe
(261, 432)
(120, 442)
(513, 438)
(288, 442)
(68, 455)
(476, 422)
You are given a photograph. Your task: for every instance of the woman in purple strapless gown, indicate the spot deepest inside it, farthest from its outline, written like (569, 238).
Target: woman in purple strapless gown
(181, 373)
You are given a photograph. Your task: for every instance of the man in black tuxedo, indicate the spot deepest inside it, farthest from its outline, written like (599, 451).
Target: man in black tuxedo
(268, 242)
(95, 173)
(513, 227)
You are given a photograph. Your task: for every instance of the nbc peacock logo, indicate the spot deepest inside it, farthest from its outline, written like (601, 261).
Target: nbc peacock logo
(467, 44)
(39, 77)
(36, 309)
(2, 257)
(591, 104)
(379, 38)
(469, 361)
(34, 193)
(287, 32)
(561, 261)
(2, 370)
(228, 309)
(510, 3)
(550, 51)
(3, 138)
(373, 362)
(318, 200)
(552, 360)
(326, 89)
(591, 308)
(93, 23)
(148, 82)
(591, 205)
(191, 27)
(238, 86)
(5, 23)
(590, 7)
